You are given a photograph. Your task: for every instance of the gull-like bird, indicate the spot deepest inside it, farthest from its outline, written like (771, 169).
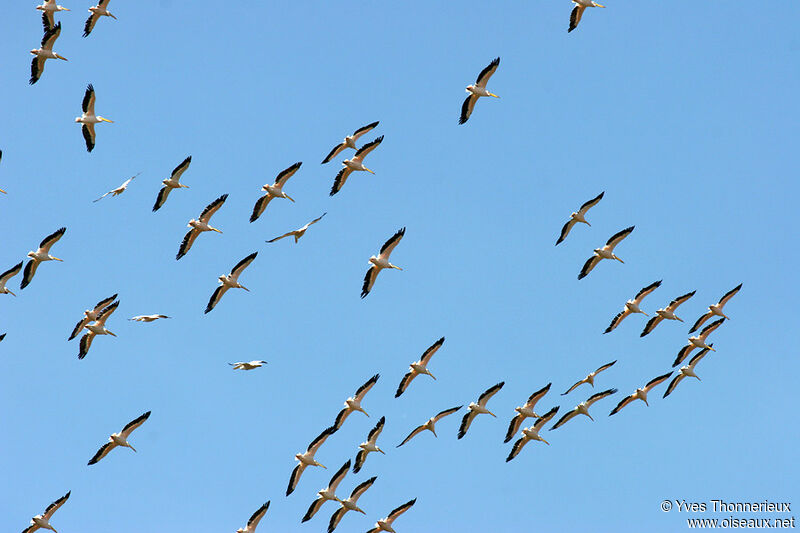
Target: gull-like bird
(419, 367)
(590, 378)
(354, 164)
(526, 411)
(381, 262)
(200, 225)
(247, 365)
(90, 315)
(716, 309)
(147, 318)
(350, 504)
(100, 10)
(532, 433)
(298, 232)
(98, 327)
(172, 182)
(48, 9)
(274, 190)
(353, 403)
(370, 446)
(119, 190)
(606, 252)
(230, 281)
(307, 459)
(577, 12)
(583, 408)
(40, 255)
(328, 493)
(254, 520)
(385, 524)
(45, 52)
(641, 393)
(42, 521)
(579, 216)
(687, 370)
(430, 425)
(349, 141)
(632, 306)
(6, 276)
(120, 439)
(698, 341)
(477, 90)
(475, 409)
(89, 119)
(668, 313)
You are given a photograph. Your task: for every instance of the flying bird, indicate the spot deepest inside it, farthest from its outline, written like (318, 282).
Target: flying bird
(119, 190)
(419, 367)
(172, 182)
(328, 493)
(606, 252)
(385, 524)
(353, 403)
(298, 232)
(254, 519)
(641, 393)
(632, 306)
(526, 411)
(354, 164)
(200, 225)
(248, 365)
(274, 190)
(350, 504)
(48, 9)
(583, 408)
(698, 341)
(475, 409)
(531, 433)
(40, 255)
(307, 459)
(579, 217)
(89, 119)
(42, 521)
(90, 315)
(590, 378)
(370, 446)
(668, 313)
(6, 276)
(349, 141)
(147, 318)
(381, 262)
(577, 12)
(98, 327)
(45, 52)
(230, 281)
(430, 425)
(716, 309)
(100, 10)
(687, 370)
(120, 439)
(478, 90)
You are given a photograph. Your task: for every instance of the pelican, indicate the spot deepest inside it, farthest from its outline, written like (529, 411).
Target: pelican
(7, 275)
(668, 313)
(89, 119)
(350, 504)
(370, 446)
(230, 281)
(381, 262)
(48, 9)
(716, 309)
(478, 90)
(583, 408)
(386, 523)
(578, 217)
(606, 252)
(98, 327)
(328, 493)
(90, 315)
(307, 459)
(274, 191)
(419, 367)
(100, 10)
(526, 411)
(172, 182)
(120, 439)
(42, 521)
(119, 190)
(474, 409)
(577, 12)
(45, 52)
(349, 141)
(40, 255)
(354, 402)
(430, 425)
(254, 519)
(200, 225)
(532, 433)
(247, 365)
(632, 306)
(698, 341)
(147, 318)
(590, 378)
(298, 232)
(354, 164)
(641, 393)
(687, 370)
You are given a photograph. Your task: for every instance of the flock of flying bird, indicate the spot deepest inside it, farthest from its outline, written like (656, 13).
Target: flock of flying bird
(93, 323)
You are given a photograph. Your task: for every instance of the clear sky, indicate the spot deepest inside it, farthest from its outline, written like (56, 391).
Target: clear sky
(683, 112)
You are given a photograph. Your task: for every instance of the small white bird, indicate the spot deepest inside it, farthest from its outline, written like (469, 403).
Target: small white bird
(385, 524)
(119, 190)
(230, 281)
(349, 141)
(172, 182)
(120, 439)
(89, 119)
(350, 504)
(200, 225)
(668, 313)
(641, 393)
(381, 262)
(353, 403)
(254, 519)
(147, 318)
(632, 306)
(90, 315)
(532, 433)
(716, 309)
(590, 378)
(354, 164)
(328, 493)
(526, 411)
(298, 232)
(475, 409)
(698, 341)
(100, 10)
(419, 367)
(249, 365)
(48, 9)
(42, 521)
(579, 216)
(477, 90)
(307, 459)
(370, 446)
(40, 255)
(98, 327)
(274, 190)
(577, 12)
(583, 408)
(430, 425)
(606, 252)
(45, 52)
(7, 275)
(687, 370)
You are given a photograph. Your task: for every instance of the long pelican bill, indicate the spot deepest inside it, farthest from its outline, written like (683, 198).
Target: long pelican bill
(104, 119)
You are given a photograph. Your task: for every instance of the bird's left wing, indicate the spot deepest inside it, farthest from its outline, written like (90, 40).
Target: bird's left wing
(487, 72)
(133, 424)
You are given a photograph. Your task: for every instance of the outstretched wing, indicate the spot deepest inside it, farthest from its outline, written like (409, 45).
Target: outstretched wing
(674, 304)
(575, 17)
(244, 263)
(102, 452)
(617, 237)
(256, 517)
(187, 242)
(367, 148)
(333, 153)
(364, 129)
(623, 403)
(53, 507)
(133, 424)
(295, 477)
(313, 508)
(588, 266)
(651, 325)
(426, 357)
(340, 180)
(656, 381)
(646, 290)
(565, 231)
(414, 433)
(486, 73)
(446, 412)
(466, 108)
(617, 319)
(212, 208)
(400, 510)
(90, 22)
(369, 280)
(365, 388)
(216, 296)
(513, 427)
(466, 422)
(287, 173)
(730, 294)
(701, 321)
(389, 245)
(85, 344)
(484, 398)
(404, 383)
(591, 203)
(599, 396)
(162, 197)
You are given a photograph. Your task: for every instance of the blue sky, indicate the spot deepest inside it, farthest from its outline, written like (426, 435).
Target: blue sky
(682, 112)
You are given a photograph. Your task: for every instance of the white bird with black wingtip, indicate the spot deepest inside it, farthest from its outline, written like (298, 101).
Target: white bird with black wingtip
(328, 493)
(254, 519)
(698, 341)
(172, 182)
(45, 52)
(88, 118)
(200, 225)
(474, 409)
(42, 521)
(419, 367)
(632, 306)
(430, 425)
(230, 281)
(349, 141)
(90, 315)
(371, 445)
(606, 252)
(667, 313)
(716, 309)
(583, 408)
(532, 433)
(297, 233)
(40, 255)
(590, 378)
(353, 403)
(6, 276)
(478, 90)
(355, 164)
(641, 393)
(98, 327)
(687, 370)
(526, 411)
(95, 12)
(381, 261)
(350, 504)
(578, 216)
(120, 439)
(274, 190)
(307, 458)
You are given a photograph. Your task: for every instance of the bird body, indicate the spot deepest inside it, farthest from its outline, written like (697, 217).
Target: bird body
(120, 439)
(385, 524)
(49, 8)
(307, 459)
(577, 12)
(687, 370)
(590, 378)
(328, 493)
(350, 504)
(247, 365)
(147, 318)
(91, 315)
(698, 341)
(98, 327)
(583, 408)
(119, 190)
(256, 517)
(298, 232)
(430, 425)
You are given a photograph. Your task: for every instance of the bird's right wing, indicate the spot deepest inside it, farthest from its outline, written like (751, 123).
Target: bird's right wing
(187, 242)
(466, 108)
(334, 152)
(404, 383)
(162, 197)
(565, 231)
(413, 434)
(340, 179)
(651, 325)
(215, 298)
(588, 266)
(102, 452)
(369, 280)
